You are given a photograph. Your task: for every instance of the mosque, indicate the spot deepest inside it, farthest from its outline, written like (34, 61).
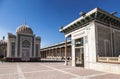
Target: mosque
(22, 46)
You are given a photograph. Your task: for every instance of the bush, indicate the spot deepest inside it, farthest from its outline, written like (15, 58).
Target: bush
(1, 60)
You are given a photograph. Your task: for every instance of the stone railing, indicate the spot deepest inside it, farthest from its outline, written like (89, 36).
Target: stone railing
(109, 59)
(53, 58)
(62, 58)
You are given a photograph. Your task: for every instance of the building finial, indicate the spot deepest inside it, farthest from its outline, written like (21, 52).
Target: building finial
(24, 23)
(82, 13)
(113, 13)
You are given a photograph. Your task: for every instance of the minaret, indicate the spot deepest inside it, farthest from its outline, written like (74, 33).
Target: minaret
(3, 38)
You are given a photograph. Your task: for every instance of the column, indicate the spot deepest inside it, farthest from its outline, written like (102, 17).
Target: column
(16, 47)
(66, 51)
(52, 53)
(34, 54)
(60, 52)
(56, 52)
(46, 54)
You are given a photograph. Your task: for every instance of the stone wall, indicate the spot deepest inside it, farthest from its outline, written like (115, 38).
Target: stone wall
(106, 67)
(104, 48)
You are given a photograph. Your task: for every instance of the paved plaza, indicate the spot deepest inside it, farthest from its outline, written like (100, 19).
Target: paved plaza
(49, 70)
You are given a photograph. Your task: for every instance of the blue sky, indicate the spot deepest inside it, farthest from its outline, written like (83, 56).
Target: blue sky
(45, 17)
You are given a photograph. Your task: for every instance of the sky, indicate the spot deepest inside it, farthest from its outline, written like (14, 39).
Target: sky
(45, 17)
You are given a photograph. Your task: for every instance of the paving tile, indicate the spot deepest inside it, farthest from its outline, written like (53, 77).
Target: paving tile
(107, 76)
(82, 71)
(48, 70)
(9, 76)
(48, 75)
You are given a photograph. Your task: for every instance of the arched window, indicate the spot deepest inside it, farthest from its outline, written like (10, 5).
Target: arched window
(26, 44)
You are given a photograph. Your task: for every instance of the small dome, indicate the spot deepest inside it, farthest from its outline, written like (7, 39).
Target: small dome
(24, 29)
(2, 42)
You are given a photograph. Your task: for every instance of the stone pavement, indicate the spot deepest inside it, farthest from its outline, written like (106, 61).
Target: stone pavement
(49, 70)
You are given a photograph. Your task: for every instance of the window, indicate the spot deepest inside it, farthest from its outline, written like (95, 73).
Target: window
(79, 42)
(26, 44)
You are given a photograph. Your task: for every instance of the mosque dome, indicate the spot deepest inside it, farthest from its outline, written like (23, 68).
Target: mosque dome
(24, 29)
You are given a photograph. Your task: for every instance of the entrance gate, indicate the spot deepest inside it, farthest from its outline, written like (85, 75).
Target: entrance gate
(79, 52)
(25, 55)
(79, 57)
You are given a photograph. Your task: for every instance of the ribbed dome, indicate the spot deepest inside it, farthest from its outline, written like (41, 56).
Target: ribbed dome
(24, 29)
(3, 42)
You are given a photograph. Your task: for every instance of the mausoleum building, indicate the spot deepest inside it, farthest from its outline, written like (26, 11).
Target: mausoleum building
(24, 45)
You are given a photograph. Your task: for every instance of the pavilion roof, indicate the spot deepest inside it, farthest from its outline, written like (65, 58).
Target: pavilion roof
(95, 14)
